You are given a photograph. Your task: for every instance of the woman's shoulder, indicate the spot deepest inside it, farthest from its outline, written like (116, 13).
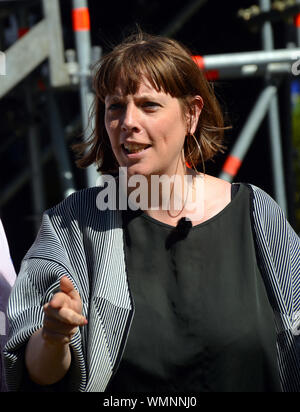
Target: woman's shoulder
(221, 189)
(218, 195)
(262, 201)
(81, 206)
(269, 218)
(77, 200)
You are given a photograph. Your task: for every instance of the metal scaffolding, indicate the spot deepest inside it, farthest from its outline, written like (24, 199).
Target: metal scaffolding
(246, 64)
(273, 62)
(81, 27)
(44, 41)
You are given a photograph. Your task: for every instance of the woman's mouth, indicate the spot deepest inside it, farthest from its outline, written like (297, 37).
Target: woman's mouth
(133, 148)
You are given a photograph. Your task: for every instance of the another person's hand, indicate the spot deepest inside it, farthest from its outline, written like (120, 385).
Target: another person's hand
(63, 315)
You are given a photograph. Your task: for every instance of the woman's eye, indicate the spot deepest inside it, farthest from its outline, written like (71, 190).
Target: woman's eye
(115, 106)
(150, 104)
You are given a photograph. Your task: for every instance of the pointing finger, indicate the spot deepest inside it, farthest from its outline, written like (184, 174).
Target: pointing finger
(67, 287)
(65, 315)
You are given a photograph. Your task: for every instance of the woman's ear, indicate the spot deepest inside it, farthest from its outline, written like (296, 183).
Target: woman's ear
(196, 105)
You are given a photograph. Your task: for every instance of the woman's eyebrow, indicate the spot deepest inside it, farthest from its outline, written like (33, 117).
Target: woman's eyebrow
(146, 96)
(114, 97)
(139, 97)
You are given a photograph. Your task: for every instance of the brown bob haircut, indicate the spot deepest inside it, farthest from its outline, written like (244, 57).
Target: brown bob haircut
(169, 67)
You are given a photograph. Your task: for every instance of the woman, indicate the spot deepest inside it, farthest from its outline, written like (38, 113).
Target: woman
(150, 301)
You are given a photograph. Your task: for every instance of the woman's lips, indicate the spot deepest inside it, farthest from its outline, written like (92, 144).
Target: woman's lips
(134, 150)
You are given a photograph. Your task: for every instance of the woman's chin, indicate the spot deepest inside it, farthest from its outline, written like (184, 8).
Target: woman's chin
(138, 170)
(143, 169)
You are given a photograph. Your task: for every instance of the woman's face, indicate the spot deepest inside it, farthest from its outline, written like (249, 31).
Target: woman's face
(146, 131)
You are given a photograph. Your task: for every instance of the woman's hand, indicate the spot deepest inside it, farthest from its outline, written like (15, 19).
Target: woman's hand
(63, 315)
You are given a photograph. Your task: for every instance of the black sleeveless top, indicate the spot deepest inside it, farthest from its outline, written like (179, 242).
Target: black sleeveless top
(202, 321)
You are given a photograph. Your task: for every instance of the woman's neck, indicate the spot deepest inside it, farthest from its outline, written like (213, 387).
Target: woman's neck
(167, 197)
(181, 196)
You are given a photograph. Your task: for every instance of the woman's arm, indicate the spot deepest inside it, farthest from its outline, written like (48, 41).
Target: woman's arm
(48, 356)
(46, 363)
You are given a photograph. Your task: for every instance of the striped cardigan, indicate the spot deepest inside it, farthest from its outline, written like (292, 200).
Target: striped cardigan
(86, 244)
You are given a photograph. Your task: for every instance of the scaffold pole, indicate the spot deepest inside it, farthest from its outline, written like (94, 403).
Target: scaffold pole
(274, 122)
(81, 28)
(247, 64)
(246, 136)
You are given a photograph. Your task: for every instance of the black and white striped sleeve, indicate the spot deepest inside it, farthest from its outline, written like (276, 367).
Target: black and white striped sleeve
(279, 250)
(41, 270)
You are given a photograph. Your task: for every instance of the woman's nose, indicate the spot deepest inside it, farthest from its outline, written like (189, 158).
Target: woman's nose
(130, 118)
